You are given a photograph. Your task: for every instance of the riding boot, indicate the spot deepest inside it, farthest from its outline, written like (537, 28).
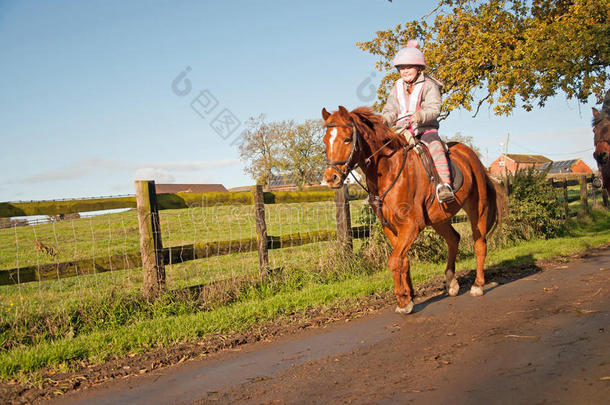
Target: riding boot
(444, 193)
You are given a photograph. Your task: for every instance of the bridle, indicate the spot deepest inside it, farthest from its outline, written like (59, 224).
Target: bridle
(349, 166)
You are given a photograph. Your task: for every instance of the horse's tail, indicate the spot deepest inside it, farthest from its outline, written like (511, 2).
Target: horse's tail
(497, 202)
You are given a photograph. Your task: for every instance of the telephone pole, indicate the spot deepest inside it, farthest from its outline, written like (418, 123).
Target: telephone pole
(505, 168)
(506, 153)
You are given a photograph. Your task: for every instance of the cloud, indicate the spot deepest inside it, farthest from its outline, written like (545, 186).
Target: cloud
(160, 171)
(195, 166)
(64, 173)
(122, 188)
(113, 165)
(152, 173)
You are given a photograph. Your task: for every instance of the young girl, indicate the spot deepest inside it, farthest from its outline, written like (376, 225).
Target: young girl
(415, 104)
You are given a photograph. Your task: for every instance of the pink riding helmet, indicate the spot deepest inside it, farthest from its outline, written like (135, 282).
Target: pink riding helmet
(410, 55)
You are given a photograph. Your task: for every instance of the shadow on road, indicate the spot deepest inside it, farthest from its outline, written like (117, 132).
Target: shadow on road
(502, 273)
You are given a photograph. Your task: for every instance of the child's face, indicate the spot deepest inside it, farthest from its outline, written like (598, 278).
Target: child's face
(407, 72)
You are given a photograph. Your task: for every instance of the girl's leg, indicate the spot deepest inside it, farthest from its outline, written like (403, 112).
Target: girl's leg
(433, 142)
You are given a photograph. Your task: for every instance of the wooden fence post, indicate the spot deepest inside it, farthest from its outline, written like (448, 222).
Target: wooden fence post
(593, 195)
(261, 228)
(151, 248)
(583, 194)
(344, 221)
(566, 205)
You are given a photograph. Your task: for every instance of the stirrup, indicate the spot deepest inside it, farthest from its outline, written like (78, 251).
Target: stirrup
(448, 195)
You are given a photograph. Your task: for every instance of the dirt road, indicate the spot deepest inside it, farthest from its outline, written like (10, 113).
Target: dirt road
(542, 338)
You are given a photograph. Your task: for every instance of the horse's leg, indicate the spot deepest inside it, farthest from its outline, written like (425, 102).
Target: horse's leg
(452, 237)
(401, 270)
(477, 213)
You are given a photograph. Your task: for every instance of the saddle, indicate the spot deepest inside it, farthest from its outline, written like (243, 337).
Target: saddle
(457, 178)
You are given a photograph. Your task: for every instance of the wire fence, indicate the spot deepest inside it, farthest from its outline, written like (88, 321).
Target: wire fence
(53, 266)
(100, 246)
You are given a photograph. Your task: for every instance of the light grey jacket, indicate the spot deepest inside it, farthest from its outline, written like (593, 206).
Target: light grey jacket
(426, 118)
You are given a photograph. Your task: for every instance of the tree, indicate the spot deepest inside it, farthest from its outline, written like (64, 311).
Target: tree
(303, 150)
(261, 149)
(506, 52)
(283, 147)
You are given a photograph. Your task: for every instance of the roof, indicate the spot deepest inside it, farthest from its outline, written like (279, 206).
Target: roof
(282, 180)
(289, 179)
(528, 158)
(241, 189)
(560, 166)
(190, 188)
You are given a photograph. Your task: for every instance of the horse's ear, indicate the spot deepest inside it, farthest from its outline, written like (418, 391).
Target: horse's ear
(342, 110)
(595, 112)
(325, 114)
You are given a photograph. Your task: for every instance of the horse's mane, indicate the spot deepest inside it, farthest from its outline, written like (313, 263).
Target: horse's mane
(601, 134)
(374, 131)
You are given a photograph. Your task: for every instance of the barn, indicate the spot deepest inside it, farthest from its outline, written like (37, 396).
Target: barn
(511, 162)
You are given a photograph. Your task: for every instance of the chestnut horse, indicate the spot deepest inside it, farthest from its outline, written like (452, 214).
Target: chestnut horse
(403, 198)
(601, 140)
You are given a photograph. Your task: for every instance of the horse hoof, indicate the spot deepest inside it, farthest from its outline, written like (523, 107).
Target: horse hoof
(476, 291)
(454, 288)
(406, 310)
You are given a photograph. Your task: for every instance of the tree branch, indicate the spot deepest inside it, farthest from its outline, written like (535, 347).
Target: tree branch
(438, 6)
(480, 104)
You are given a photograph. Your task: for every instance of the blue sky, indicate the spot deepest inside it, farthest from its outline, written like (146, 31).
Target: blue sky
(89, 104)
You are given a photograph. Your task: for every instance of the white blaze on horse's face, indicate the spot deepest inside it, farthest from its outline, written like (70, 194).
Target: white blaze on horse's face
(333, 135)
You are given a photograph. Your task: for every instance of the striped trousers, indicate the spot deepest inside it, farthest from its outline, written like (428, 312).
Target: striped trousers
(433, 142)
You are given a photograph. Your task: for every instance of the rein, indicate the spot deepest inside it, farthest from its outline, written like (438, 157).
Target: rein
(405, 151)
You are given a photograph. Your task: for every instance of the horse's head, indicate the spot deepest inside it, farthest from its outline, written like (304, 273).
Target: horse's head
(342, 146)
(601, 130)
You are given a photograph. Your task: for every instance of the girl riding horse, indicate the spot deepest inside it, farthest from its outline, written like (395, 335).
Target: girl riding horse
(414, 105)
(401, 193)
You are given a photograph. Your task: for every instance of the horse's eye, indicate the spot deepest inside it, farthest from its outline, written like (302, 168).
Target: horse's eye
(348, 140)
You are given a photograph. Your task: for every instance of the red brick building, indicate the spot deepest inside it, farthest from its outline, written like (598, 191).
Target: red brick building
(510, 163)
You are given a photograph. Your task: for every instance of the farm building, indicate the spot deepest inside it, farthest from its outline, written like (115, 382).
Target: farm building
(190, 188)
(288, 182)
(567, 166)
(279, 182)
(510, 163)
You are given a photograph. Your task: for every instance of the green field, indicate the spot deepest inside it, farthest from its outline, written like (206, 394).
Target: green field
(59, 323)
(113, 234)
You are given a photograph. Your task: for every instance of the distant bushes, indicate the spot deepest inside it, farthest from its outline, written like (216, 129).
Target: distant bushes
(535, 211)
